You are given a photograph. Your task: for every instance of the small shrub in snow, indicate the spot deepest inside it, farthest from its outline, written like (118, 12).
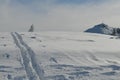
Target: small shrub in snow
(2, 37)
(6, 55)
(33, 37)
(4, 45)
(9, 76)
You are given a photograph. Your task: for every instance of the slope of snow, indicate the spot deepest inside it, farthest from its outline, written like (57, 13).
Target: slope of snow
(10, 59)
(59, 56)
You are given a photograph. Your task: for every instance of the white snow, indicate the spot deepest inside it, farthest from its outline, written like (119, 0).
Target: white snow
(59, 56)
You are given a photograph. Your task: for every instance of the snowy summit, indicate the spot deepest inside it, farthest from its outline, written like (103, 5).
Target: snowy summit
(104, 29)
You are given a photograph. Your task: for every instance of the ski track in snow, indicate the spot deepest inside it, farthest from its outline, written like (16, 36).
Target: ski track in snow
(66, 63)
(33, 69)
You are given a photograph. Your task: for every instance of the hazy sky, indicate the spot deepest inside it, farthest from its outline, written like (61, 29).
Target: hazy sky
(60, 15)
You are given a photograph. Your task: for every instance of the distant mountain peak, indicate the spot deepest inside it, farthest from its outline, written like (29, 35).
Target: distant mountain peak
(103, 28)
(102, 25)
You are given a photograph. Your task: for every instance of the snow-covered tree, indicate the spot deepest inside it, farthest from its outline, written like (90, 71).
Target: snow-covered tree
(31, 28)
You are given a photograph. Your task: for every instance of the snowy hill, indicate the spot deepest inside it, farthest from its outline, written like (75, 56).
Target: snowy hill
(104, 29)
(59, 56)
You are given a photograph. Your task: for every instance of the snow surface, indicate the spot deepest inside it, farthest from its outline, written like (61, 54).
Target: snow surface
(59, 56)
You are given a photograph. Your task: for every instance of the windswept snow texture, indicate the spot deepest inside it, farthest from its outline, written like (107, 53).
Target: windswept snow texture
(59, 56)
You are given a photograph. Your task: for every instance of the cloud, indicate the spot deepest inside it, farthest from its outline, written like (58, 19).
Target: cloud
(17, 15)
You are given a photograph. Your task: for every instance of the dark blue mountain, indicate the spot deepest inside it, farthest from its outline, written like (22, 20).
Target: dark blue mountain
(104, 29)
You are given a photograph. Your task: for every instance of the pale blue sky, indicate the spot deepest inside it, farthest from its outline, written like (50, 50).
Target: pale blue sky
(60, 15)
(59, 1)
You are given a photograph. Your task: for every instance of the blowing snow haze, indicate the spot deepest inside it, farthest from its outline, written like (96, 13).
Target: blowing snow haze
(57, 15)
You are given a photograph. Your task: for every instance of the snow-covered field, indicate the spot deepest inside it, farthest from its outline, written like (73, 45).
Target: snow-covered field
(59, 56)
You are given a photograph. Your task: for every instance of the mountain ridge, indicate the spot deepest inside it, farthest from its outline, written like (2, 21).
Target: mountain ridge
(104, 29)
